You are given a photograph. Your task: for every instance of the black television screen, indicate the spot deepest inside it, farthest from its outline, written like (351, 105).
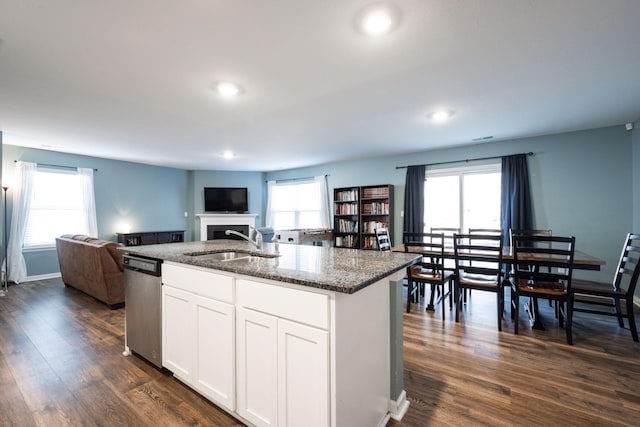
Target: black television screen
(225, 199)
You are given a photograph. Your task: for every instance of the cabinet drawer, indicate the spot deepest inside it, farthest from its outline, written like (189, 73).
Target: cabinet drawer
(297, 305)
(204, 283)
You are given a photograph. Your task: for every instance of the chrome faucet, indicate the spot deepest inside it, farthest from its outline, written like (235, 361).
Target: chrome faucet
(258, 241)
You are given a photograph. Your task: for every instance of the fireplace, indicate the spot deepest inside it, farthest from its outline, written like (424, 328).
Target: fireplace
(217, 231)
(221, 222)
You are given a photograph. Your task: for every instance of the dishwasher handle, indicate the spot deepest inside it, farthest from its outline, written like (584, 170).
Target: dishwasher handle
(149, 266)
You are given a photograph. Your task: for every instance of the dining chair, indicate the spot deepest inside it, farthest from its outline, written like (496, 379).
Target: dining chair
(622, 288)
(542, 268)
(532, 232)
(383, 239)
(478, 260)
(430, 270)
(448, 233)
(496, 231)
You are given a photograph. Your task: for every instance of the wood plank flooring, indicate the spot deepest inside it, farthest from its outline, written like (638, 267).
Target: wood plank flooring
(469, 374)
(61, 364)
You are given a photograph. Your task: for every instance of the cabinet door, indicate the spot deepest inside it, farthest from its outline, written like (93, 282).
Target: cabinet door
(177, 332)
(303, 375)
(257, 346)
(214, 370)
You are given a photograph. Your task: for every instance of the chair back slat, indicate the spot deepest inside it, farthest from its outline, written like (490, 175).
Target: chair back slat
(448, 233)
(485, 231)
(383, 240)
(478, 254)
(543, 258)
(527, 232)
(430, 246)
(628, 270)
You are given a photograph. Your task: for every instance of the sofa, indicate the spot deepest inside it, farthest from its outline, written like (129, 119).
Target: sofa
(92, 266)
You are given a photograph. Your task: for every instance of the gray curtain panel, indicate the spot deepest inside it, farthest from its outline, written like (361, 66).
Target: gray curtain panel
(414, 200)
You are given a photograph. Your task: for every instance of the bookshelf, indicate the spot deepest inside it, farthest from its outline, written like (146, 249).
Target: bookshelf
(358, 211)
(376, 211)
(346, 217)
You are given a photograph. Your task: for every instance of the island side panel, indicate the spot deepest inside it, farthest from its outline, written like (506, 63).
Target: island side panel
(361, 357)
(399, 402)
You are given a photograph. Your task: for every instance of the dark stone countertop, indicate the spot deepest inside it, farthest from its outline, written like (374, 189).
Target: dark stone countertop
(335, 269)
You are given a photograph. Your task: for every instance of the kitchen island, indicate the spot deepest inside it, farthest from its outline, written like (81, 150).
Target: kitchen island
(299, 337)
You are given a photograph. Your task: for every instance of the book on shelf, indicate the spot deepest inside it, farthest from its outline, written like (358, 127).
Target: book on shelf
(347, 196)
(375, 208)
(375, 193)
(369, 243)
(347, 209)
(346, 226)
(370, 226)
(346, 241)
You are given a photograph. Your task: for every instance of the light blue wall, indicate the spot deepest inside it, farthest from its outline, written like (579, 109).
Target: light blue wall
(254, 181)
(145, 197)
(581, 182)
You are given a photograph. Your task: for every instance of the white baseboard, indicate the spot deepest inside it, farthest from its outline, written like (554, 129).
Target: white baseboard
(42, 277)
(399, 407)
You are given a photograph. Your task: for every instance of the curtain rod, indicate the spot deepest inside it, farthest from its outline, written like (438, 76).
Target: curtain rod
(305, 178)
(58, 166)
(465, 160)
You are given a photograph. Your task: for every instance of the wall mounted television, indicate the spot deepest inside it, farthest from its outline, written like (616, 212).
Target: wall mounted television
(225, 199)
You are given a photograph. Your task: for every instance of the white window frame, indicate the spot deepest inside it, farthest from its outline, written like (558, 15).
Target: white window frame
(323, 204)
(459, 171)
(91, 211)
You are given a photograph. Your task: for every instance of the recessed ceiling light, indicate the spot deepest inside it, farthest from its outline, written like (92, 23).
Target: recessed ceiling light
(440, 115)
(377, 19)
(228, 89)
(482, 138)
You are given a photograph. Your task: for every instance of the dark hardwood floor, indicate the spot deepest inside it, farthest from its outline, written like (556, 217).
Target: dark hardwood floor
(469, 374)
(61, 364)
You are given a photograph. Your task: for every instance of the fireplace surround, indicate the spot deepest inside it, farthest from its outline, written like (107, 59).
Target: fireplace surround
(213, 226)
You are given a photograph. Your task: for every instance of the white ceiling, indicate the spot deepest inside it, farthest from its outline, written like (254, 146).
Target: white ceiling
(131, 79)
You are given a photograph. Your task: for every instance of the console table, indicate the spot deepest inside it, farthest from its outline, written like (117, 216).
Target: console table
(150, 237)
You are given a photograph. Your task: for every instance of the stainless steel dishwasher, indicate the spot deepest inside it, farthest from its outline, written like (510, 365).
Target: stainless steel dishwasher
(143, 307)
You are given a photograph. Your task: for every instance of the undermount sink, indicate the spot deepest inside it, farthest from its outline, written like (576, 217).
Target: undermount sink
(248, 258)
(232, 255)
(222, 256)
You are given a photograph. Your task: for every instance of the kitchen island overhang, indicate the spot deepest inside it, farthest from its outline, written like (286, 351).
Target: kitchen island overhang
(334, 269)
(359, 307)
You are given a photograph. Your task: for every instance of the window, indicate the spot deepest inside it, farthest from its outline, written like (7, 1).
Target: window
(296, 205)
(463, 198)
(58, 206)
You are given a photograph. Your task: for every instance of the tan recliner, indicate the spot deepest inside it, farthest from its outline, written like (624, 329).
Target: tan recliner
(92, 266)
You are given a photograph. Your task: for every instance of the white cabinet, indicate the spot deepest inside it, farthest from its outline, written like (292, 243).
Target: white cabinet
(198, 328)
(257, 343)
(177, 332)
(283, 365)
(274, 354)
(214, 362)
(303, 375)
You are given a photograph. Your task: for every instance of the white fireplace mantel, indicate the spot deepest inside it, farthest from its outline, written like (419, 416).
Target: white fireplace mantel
(224, 219)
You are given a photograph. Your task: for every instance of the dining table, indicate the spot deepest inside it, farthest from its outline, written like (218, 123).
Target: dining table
(581, 261)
